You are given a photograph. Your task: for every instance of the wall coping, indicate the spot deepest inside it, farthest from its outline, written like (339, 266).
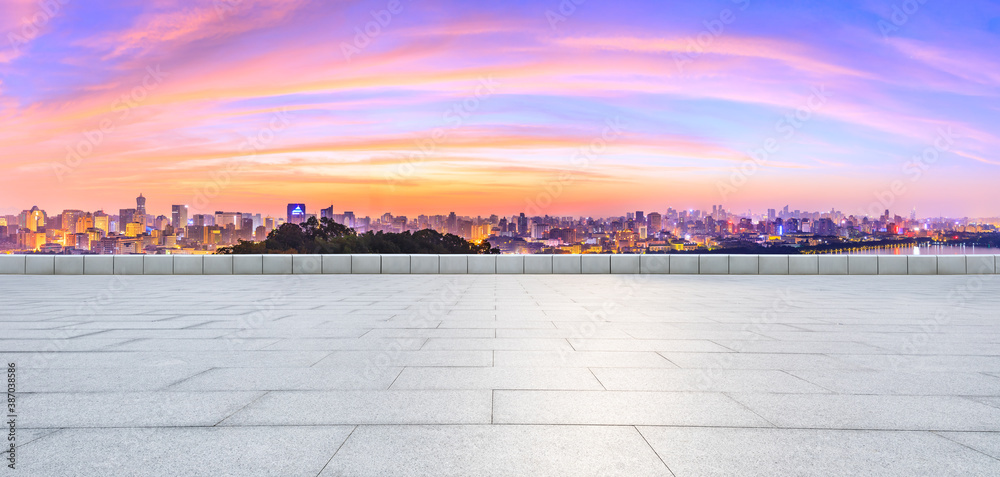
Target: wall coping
(673, 264)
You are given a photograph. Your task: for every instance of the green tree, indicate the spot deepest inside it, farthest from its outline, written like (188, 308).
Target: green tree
(328, 237)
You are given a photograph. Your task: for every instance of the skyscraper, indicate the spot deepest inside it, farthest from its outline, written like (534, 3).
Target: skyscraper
(655, 222)
(125, 217)
(179, 216)
(140, 205)
(296, 213)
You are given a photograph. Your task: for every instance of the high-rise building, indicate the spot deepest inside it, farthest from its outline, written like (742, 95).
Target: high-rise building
(223, 219)
(125, 217)
(134, 229)
(32, 219)
(655, 222)
(179, 216)
(326, 213)
(69, 218)
(140, 205)
(296, 213)
(102, 221)
(203, 220)
(83, 222)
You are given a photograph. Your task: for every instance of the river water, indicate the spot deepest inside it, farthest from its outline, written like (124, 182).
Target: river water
(928, 250)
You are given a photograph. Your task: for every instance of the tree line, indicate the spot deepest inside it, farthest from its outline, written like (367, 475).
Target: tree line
(328, 237)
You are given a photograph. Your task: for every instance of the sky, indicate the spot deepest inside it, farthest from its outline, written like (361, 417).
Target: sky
(559, 107)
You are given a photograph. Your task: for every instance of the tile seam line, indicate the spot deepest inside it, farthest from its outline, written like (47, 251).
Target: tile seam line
(727, 395)
(265, 393)
(167, 387)
(657, 454)
(341, 446)
(525, 424)
(942, 434)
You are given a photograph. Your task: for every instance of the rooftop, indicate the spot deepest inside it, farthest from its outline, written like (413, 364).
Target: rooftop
(504, 374)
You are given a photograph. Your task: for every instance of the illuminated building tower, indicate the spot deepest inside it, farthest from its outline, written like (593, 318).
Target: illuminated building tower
(83, 223)
(32, 219)
(140, 205)
(69, 219)
(296, 213)
(102, 222)
(134, 229)
(179, 217)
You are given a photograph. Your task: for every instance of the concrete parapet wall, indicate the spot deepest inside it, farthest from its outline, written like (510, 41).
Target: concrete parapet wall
(499, 264)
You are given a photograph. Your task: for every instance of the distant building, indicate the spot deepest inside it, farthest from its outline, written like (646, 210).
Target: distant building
(125, 217)
(296, 213)
(655, 222)
(179, 216)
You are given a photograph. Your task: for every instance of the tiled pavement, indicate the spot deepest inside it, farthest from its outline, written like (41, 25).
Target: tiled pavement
(504, 375)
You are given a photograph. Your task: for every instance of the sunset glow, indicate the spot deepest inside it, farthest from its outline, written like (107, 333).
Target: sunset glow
(586, 107)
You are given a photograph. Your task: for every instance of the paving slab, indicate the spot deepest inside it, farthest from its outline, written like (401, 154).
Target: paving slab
(184, 451)
(302, 408)
(507, 374)
(621, 408)
(135, 409)
(496, 378)
(496, 451)
(770, 452)
(838, 411)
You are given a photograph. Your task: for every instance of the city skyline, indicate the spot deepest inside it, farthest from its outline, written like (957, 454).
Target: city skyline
(784, 230)
(875, 210)
(573, 107)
